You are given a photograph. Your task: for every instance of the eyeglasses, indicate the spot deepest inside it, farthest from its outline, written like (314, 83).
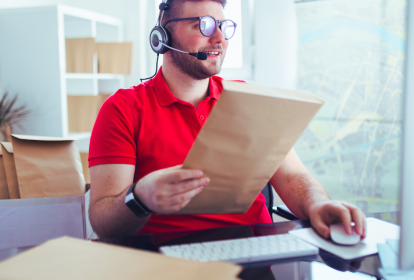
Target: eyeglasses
(208, 25)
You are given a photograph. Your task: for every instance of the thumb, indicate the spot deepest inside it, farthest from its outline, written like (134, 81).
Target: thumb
(177, 167)
(322, 228)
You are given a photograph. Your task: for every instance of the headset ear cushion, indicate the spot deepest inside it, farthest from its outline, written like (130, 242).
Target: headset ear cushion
(159, 34)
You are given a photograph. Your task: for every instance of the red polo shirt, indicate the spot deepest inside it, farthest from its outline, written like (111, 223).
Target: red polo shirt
(148, 127)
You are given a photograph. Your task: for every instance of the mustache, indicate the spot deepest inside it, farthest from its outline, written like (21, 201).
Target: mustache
(212, 48)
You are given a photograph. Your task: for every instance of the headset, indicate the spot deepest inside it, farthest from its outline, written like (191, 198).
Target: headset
(160, 39)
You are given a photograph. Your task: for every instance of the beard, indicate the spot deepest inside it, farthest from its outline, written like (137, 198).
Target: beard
(192, 66)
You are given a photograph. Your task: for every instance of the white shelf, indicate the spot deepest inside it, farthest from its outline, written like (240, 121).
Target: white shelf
(79, 135)
(39, 34)
(82, 140)
(93, 83)
(98, 76)
(88, 15)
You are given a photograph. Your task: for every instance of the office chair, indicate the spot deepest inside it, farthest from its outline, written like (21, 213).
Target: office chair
(280, 210)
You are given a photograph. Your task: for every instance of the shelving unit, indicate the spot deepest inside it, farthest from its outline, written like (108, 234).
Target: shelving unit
(33, 63)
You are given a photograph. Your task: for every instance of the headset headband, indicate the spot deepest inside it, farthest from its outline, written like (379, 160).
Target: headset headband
(163, 6)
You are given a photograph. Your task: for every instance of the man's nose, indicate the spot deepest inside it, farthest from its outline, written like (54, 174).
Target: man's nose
(217, 37)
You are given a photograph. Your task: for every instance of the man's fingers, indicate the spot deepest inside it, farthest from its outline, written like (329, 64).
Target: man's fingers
(343, 212)
(183, 187)
(176, 176)
(358, 217)
(184, 198)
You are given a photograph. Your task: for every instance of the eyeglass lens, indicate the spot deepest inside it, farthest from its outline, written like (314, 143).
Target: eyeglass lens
(228, 29)
(208, 27)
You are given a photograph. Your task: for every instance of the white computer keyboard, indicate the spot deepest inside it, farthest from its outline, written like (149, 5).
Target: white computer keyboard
(243, 250)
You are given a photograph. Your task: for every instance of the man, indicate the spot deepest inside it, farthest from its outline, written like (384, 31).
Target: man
(144, 133)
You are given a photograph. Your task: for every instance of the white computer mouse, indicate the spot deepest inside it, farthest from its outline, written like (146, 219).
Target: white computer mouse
(339, 236)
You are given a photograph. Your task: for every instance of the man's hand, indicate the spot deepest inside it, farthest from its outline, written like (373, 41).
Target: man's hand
(169, 190)
(323, 214)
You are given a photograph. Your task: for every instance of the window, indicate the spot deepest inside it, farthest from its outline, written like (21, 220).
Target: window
(351, 55)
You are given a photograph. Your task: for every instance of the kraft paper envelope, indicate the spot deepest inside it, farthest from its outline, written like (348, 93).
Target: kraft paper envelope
(10, 169)
(114, 58)
(79, 55)
(4, 190)
(70, 258)
(47, 166)
(249, 132)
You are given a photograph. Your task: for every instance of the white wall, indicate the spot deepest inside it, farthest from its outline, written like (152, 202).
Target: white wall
(276, 40)
(137, 25)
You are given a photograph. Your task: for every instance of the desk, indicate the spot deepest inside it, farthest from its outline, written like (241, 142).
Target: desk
(323, 267)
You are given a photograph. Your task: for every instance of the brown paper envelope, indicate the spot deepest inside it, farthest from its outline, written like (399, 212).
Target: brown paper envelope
(47, 166)
(82, 112)
(85, 167)
(10, 170)
(114, 58)
(70, 258)
(79, 55)
(4, 190)
(245, 139)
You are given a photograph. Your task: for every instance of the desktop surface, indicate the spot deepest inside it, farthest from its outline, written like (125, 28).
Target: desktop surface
(323, 266)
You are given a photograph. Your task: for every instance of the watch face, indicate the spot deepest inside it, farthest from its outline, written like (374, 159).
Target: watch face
(129, 197)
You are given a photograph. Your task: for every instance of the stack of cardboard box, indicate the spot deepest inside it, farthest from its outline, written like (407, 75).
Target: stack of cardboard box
(84, 55)
(113, 57)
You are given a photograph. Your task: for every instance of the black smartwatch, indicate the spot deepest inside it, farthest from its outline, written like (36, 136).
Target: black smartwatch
(136, 206)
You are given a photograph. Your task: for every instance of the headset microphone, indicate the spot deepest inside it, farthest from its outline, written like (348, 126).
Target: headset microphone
(198, 55)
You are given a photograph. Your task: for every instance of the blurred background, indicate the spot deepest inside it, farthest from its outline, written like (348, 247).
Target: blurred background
(349, 53)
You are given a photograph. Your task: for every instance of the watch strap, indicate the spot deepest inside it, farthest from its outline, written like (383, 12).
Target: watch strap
(136, 205)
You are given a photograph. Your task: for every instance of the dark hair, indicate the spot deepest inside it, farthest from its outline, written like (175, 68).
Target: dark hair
(175, 8)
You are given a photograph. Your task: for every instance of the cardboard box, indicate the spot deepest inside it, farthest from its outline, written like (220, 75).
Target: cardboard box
(32, 221)
(70, 258)
(79, 55)
(114, 58)
(83, 111)
(85, 166)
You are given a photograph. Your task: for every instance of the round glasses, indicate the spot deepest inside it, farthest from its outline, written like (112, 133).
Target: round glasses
(208, 25)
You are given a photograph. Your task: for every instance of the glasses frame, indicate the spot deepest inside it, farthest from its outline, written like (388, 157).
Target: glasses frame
(218, 22)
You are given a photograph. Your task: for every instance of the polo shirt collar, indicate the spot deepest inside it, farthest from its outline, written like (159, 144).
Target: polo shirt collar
(213, 89)
(165, 96)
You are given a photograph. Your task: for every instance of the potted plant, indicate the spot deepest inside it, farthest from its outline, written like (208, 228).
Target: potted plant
(10, 116)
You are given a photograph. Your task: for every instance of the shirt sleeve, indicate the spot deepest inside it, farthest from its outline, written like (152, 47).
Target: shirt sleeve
(113, 135)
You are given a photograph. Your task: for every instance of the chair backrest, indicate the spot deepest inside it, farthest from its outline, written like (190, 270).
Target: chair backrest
(268, 194)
